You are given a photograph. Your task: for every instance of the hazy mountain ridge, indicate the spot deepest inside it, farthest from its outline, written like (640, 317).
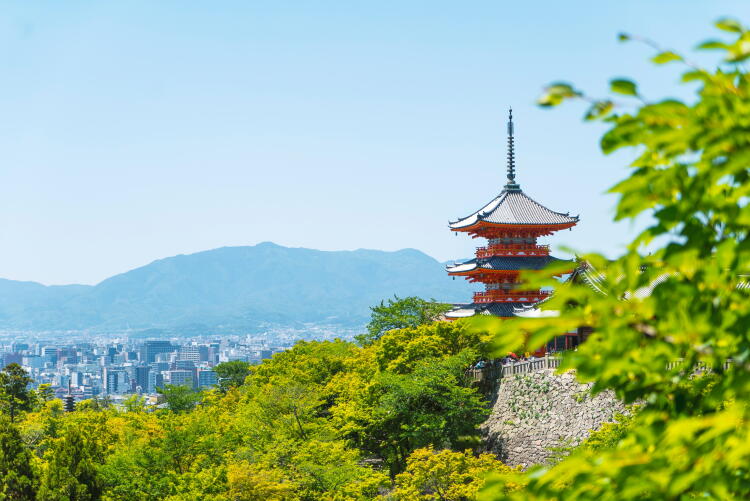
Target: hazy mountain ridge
(233, 287)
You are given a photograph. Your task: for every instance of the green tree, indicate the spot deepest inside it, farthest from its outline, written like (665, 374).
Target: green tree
(399, 413)
(14, 390)
(400, 350)
(71, 471)
(399, 313)
(180, 398)
(231, 374)
(134, 403)
(448, 476)
(681, 299)
(17, 476)
(44, 393)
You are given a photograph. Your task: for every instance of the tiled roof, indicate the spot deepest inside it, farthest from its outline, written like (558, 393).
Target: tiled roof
(514, 207)
(496, 309)
(504, 263)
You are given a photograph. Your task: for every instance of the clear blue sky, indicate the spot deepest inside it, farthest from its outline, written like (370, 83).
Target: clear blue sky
(131, 131)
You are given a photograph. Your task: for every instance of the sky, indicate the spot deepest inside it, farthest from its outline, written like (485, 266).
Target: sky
(132, 131)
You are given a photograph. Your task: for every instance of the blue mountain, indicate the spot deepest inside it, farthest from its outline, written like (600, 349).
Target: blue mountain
(233, 288)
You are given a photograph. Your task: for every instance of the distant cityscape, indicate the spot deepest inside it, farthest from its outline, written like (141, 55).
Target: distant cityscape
(117, 366)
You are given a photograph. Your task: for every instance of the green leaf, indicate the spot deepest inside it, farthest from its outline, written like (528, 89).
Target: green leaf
(666, 57)
(562, 89)
(712, 45)
(623, 86)
(599, 109)
(691, 76)
(556, 93)
(728, 24)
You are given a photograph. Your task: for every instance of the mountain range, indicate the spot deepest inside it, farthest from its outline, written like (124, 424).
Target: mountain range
(233, 288)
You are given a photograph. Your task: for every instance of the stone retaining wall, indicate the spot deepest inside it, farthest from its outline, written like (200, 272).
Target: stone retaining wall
(538, 411)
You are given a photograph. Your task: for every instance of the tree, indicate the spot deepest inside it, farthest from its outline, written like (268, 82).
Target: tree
(400, 313)
(231, 374)
(71, 471)
(134, 403)
(44, 393)
(448, 475)
(17, 476)
(180, 398)
(398, 413)
(401, 350)
(251, 482)
(666, 310)
(14, 392)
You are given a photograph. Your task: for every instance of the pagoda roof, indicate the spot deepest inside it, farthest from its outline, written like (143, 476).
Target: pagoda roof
(495, 309)
(504, 263)
(513, 207)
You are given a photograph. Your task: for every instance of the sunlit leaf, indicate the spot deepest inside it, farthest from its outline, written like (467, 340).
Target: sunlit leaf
(666, 57)
(728, 24)
(623, 86)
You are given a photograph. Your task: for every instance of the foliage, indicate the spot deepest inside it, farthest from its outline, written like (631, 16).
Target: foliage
(180, 398)
(14, 393)
(44, 393)
(71, 470)
(18, 479)
(321, 421)
(250, 482)
(680, 301)
(231, 374)
(400, 313)
(398, 413)
(401, 349)
(447, 475)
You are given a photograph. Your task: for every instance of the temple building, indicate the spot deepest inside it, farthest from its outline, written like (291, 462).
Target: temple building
(512, 222)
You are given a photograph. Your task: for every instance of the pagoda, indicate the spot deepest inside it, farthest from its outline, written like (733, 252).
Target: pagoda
(512, 222)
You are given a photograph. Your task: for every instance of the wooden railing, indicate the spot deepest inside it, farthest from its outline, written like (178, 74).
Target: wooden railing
(496, 371)
(505, 296)
(513, 250)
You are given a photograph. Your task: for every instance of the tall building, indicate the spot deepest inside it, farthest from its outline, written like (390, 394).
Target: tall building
(160, 366)
(512, 222)
(183, 364)
(151, 348)
(76, 378)
(180, 377)
(141, 377)
(10, 358)
(206, 378)
(49, 353)
(155, 380)
(115, 381)
(194, 352)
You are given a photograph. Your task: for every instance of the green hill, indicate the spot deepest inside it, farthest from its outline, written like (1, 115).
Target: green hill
(233, 287)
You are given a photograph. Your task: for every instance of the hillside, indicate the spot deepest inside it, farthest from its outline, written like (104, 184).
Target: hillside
(233, 287)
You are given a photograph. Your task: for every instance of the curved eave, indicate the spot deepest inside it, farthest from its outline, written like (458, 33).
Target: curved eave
(481, 271)
(461, 313)
(478, 225)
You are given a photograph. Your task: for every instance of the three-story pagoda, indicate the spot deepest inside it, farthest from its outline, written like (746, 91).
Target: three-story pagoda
(512, 222)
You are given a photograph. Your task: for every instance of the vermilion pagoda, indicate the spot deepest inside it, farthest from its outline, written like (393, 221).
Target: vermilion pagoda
(511, 223)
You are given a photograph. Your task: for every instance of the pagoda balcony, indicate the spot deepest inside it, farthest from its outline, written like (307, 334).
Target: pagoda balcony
(513, 250)
(505, 296)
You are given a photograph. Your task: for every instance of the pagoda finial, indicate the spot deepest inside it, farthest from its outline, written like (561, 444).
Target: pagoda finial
(512, 185)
